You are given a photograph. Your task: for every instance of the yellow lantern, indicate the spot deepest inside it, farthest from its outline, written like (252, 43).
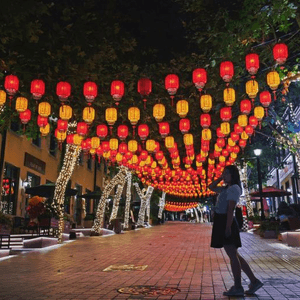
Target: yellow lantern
(273, 80)
(150, 145)
(119, 157)
(199, 164)
(133, 115)
(111, 115)
(233, 155)
(113, 144)
(259, 112)
(206, 134)
(92, 151)
(134, 159)
(142, 163)
(169, 142)
(231, 142)
(211, 161)
(154, 165)
(45, 130)
(206, 103)
(182, 108)
(229, 96)
(106, 155)
(222, 158)
(217, 148)
(88, 114)
(252, 88)
(2, 97)
(21, 104)
(225, 128)
(44, 109)
(77, 139)
(95, 142)
(148, 160)
(61, 136)
(243, 120)
(176, 160)
(132, 146)
(159, 112)
(188, 139)
(203, 153)
(65, 112)
(244, 136)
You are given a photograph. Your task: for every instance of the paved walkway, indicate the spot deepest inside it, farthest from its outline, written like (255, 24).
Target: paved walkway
(177, 256)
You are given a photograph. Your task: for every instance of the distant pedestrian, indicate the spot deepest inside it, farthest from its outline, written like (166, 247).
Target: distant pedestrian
(225, 231)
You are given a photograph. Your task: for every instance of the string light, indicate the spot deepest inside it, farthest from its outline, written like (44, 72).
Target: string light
(128, 199)
(120, 179)
(145, 197)
(161, 204)
(117, 197)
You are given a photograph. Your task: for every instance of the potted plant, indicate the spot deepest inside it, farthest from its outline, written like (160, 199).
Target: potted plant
(5, 223)
(88, 221)
(269, 229)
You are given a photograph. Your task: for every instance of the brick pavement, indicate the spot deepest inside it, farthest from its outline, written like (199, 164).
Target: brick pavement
(178, 255)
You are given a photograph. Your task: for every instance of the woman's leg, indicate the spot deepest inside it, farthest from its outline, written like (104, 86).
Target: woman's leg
(246, 268)
(232, 253)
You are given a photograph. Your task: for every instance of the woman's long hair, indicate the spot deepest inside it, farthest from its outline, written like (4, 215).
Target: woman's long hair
(235, 175)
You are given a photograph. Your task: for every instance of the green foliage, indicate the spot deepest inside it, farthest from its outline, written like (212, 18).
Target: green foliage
(268, 226)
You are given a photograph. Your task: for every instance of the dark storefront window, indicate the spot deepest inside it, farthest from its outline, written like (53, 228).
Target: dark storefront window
(37, 141)
(78, 204)
(53, 145)
(87, 202)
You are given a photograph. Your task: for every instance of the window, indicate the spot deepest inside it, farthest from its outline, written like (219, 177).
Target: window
(89, 163)
(37, 141)
(53, 145)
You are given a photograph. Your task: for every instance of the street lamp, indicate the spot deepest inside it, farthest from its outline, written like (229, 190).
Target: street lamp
(257, 153)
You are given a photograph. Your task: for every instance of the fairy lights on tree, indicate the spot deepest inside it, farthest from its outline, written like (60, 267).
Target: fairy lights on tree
(161, 204)
(128, 199)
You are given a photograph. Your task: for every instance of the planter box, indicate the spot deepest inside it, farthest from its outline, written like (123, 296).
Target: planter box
(269, 234)
(88, 223)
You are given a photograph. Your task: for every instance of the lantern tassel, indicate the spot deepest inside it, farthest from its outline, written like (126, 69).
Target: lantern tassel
(133, 131)
(145, 100)
(266, 110)
(172, 100)
(110, 130)
(274, 92)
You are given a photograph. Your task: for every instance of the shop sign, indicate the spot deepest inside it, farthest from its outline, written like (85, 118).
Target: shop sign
(34, 163)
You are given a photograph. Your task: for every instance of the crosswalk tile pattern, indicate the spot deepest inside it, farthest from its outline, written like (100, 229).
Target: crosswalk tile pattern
(177, 256)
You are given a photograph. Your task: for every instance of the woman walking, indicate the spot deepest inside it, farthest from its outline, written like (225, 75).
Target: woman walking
(225, 231)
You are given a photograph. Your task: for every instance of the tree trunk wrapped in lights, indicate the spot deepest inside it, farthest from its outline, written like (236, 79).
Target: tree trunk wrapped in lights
(120, 179)
(161, 204)
(70, 159)
(145, 197)
(128, 199)
(117, 197)
(244, 180)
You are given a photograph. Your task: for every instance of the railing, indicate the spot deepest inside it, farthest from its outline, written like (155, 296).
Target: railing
(4, 241)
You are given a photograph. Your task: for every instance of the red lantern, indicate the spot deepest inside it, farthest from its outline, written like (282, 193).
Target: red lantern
(172, 85)
(105, 146)
(123, 148)
(159, 155)
(220, 134)
(249, 130)
(143, 131)
(102, 131)
(199, 78)
(144, 155)
(253, 121)
(235, 136)
(265, 98)
(122, 132)
(90, 91)
(11, 84)
(63, 90)
(238, 129)
(62, 125)
(226, 70)
(164, 129)
(25, 116)
(42, 121)
(225, 113)
(205, 120)
(220, 142)
(236, 149)
(280, 53)
(37, 89)
(184, 125)
(82, 128)
(225, 152)
(242, 143)
(70, 138)
(157, 147)
(245, 106)
(144, 88)
(252, 63)
(117, 90)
